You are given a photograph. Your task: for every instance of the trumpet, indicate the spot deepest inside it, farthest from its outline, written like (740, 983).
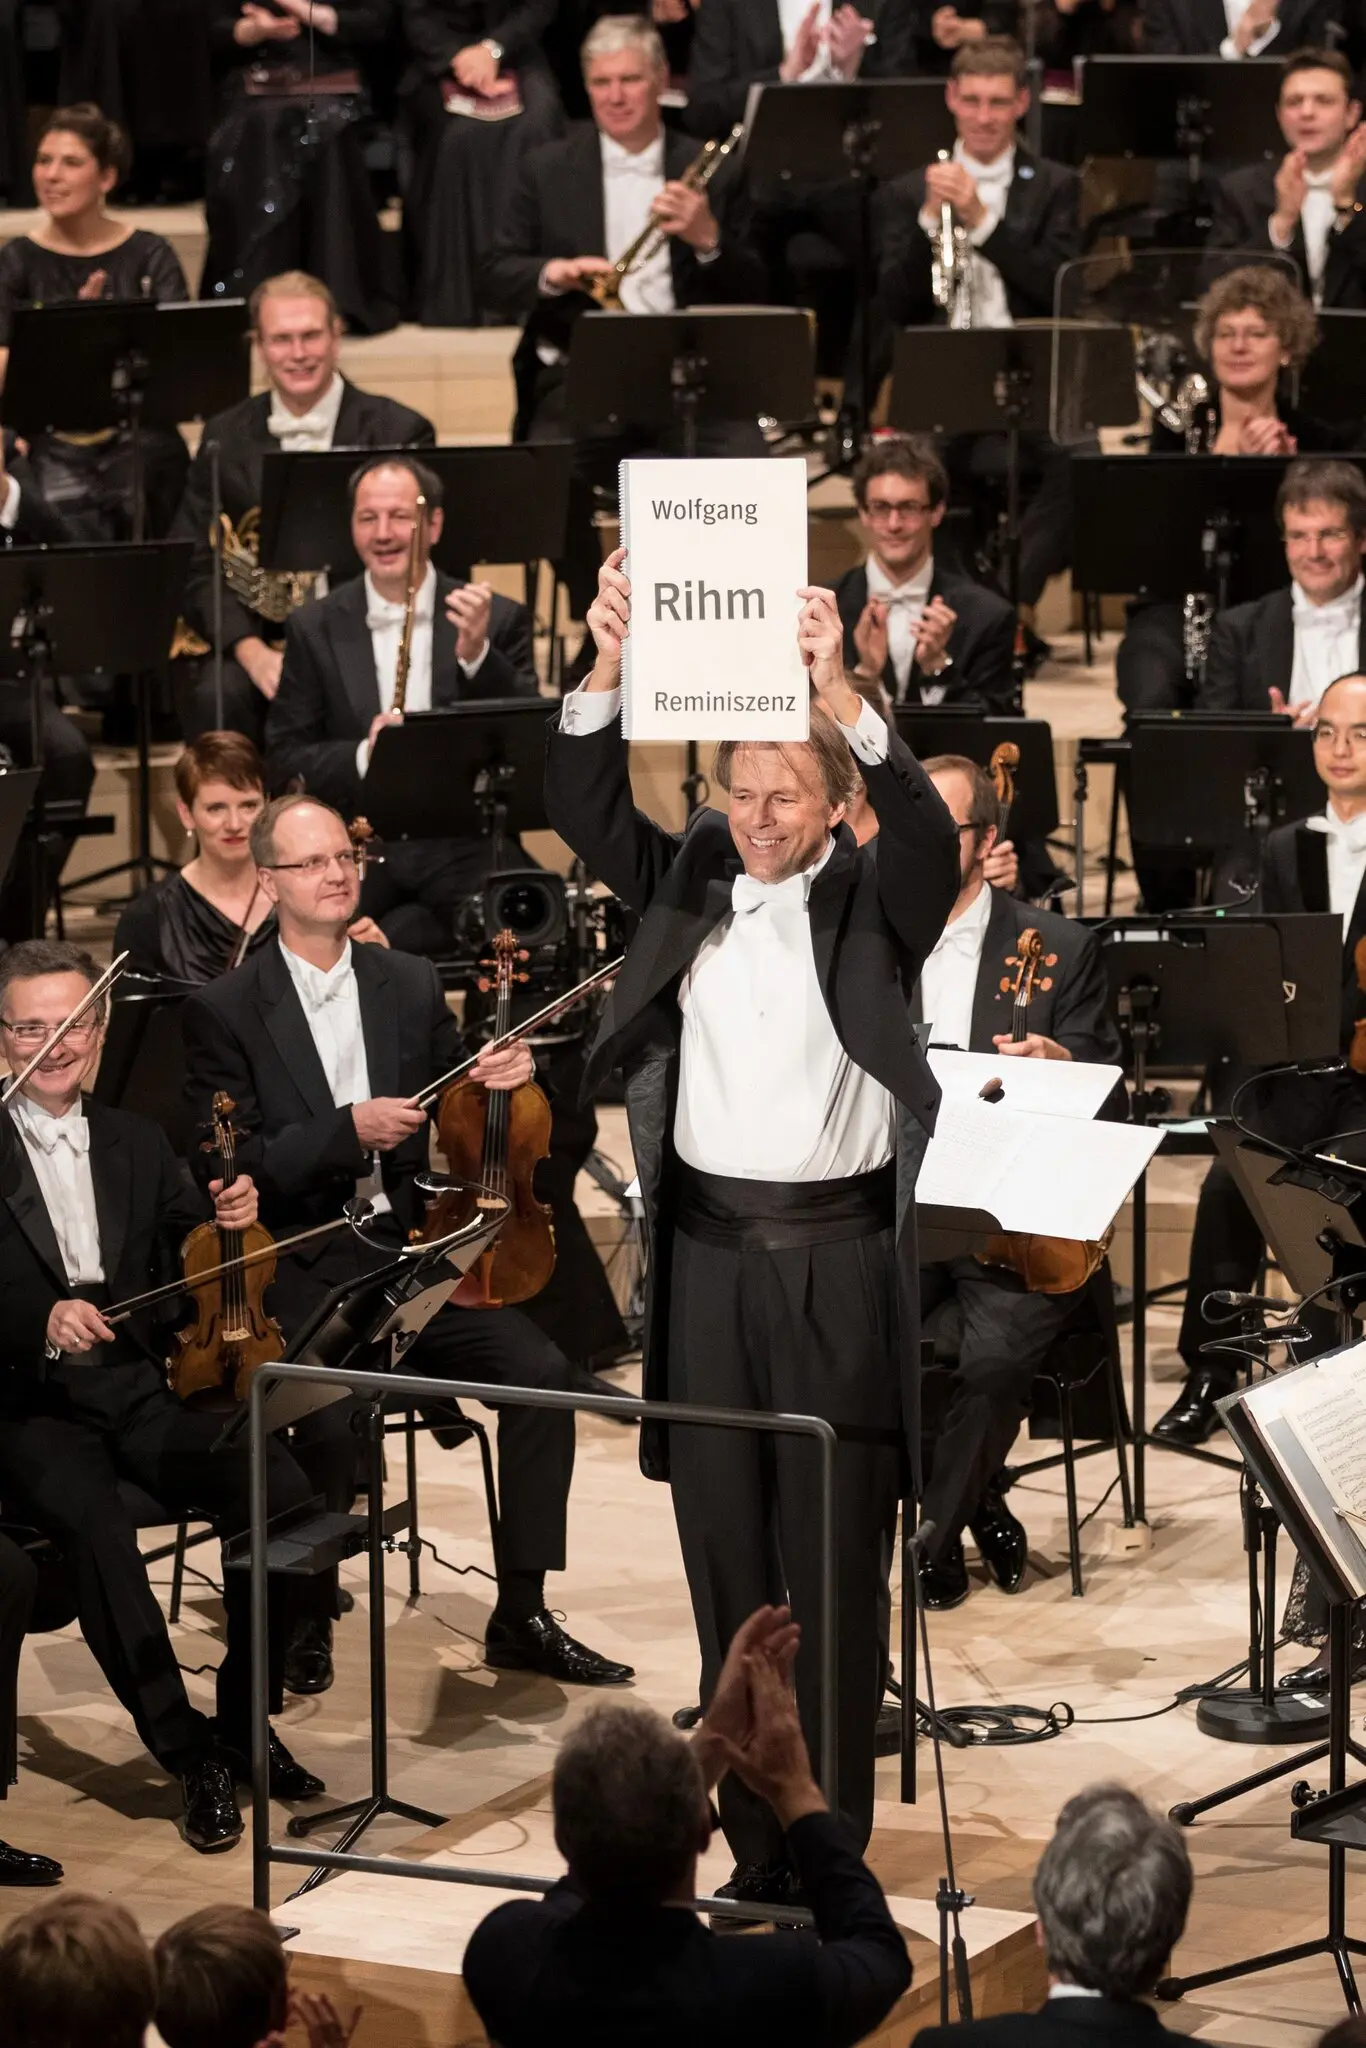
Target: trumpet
(606, 288)
(951, 264)
(405, 642)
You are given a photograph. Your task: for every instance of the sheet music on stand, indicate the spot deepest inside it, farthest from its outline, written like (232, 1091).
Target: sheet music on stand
(1303, 1433)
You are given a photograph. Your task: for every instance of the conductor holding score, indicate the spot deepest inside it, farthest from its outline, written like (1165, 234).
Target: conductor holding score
(761, 1022)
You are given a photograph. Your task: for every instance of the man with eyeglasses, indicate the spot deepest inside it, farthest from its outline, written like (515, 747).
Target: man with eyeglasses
(928, 634)
(323, 1046)
(93, 1210)
(1318, 864)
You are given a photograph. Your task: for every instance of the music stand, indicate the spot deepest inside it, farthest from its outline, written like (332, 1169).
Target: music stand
(142, 1063)
(1333, 382)
(930, 729)
(108, 607)
(475, 769)
(1157, 108)
(1196, 785)
(127, 363)
(832, 131)
(1188, 989)
(662, 370)
(993, 379)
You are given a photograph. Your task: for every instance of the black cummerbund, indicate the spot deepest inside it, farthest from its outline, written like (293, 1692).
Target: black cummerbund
(769, 1215)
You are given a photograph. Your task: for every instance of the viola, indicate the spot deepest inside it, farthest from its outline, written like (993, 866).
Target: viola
(494, 1137)
(1047, 1265)
(226, 1274)
(1005, 760)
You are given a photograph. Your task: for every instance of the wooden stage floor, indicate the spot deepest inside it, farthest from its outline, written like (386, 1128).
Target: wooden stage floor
(477, 1746)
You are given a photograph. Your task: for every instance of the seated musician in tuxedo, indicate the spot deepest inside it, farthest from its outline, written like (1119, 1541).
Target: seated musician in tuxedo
(928, 633)
(1280, 652)
(1235, 29)
(1306, 206)
(1317, 864)
(742, 43)
(323, 1046)
(1006, 1331)
(574, 209)
(308, 404)
(336, 690)
(1020, 214)
(18, 1593)
(93, 1210)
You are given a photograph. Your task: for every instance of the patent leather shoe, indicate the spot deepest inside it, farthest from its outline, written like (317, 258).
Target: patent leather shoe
(1192, 1417)
(23, 1867)
(308, 1659)
(289, 1779)
(1001, 1538)
(1314, 1677)
(212, 1820)
(944, 1580)
(540, 1644)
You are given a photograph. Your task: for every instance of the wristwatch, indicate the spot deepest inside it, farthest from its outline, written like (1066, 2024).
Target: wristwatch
(494, 48)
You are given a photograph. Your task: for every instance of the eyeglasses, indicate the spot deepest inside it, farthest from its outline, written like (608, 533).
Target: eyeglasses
(1354, 734)
(881, 510)
(34, 1034)
(318, 863)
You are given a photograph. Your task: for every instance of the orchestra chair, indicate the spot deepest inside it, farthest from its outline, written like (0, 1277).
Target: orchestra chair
(408, 1427)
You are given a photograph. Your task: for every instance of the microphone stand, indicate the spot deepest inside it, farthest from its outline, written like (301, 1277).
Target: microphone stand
(950, 1899)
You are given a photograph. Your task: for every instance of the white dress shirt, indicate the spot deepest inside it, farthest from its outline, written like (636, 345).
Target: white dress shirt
(59, 1148)
(948, 980)
(385, 621)
(990, 306)
(1346, 859)
(9, 504)
(306, 430)
(766, 1091)
(905, 604)
(331, 1007)
(630, 185)
(1234, 10)
(1327, 642)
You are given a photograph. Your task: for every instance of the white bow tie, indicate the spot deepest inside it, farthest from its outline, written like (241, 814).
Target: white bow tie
(1323, 617)
(956, 938)
(644, 165)
(747, 894)
(318, 992)
(49, 1132)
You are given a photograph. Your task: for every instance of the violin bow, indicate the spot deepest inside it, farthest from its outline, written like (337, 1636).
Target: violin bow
(94, 994)
(123, 1309)
(520, 1031)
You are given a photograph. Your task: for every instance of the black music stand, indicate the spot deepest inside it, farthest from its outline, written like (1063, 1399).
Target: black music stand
(677, 370)
(1195, 108)
(1200, 785)
(963, 728)
(472, 770)
(107, 607)
(142, 1064)
(1333, 381)
(1188, 989)
(833, 131)
(1005, 379)
(126, 363)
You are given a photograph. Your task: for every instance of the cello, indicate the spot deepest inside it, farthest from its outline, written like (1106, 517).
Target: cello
(226, 1273)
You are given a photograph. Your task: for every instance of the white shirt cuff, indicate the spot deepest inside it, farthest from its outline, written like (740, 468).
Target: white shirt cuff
(9, 508)
(548, 291)
(1277, 241)
(987, 225)
(868, 737)
(585, 710)
(1229, 50)
(362, 758)
(707, 255)
(472, 668)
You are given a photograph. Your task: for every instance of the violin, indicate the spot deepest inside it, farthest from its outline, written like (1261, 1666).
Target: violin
(226, 1273)
(1047, 1265)
(494, 1137)
(1005, 760)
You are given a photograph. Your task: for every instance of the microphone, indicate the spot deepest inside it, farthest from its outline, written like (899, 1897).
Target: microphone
(1227, 1298)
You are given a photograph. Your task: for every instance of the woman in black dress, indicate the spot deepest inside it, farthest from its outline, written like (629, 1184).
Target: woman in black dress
(81, 251)
(285, 184)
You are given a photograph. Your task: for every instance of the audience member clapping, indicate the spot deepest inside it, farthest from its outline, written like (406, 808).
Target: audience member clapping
(223, 1982)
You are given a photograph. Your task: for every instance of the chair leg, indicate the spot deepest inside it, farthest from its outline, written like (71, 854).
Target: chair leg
(1116, 1390)
(1069, 1466)
(414, 1533)
(178, 1569)
(491, 1501)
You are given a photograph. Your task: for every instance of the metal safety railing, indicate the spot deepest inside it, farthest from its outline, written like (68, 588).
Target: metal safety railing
(415, 1388)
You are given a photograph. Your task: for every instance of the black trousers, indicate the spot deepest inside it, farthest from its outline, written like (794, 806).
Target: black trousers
(68, 775)
(60, 1468)
(18, 1586)
(535, 1446)
(415, 892)
(1007, 1334)
(809, 1331)
(196, 699)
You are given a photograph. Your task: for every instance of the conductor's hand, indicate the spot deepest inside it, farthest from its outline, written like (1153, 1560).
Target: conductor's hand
(468, 610)
(806, 47)
(950, 184)
(771, 1758)
(365, 932)
(476, 67)
(1292, 183)
(77, 1326)
(820, 636)
(1002, 867)
(609, 621)
(932, 635)
(509, 1067)
(259, 25)
(237, 1207)
(386, 1121)
(1303, 714)
(769, 1632)
(1034, 1046)
(1258, 17)
(681, 211)
(870, 637)
(568, 273)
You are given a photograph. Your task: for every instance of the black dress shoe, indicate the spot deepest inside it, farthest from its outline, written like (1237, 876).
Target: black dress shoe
(944, 1582)
(1001, 1538)
(212, 1821)
(1315, 1677)
(308, 1660)
(1192, 1417)
(540, 1644)
(21, 1866)
(288, 1777)
(887, 1741)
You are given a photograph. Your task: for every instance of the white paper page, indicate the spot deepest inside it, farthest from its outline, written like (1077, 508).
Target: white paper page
(973, 1148)
(1328, 1417)
(716, 553)
(1056, 1177)
(1071, 1088)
